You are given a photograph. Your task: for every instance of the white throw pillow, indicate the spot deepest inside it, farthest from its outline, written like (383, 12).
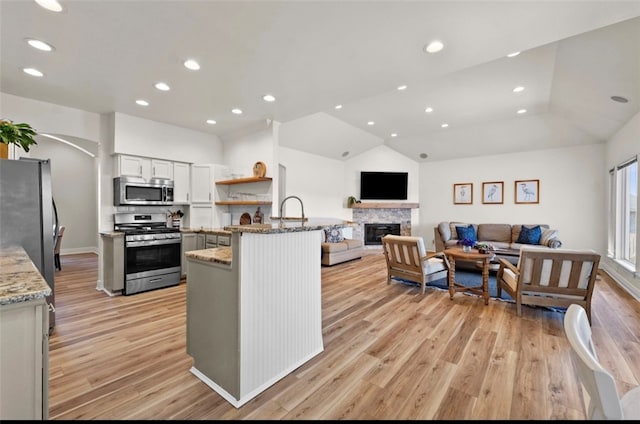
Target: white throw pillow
(547, 235)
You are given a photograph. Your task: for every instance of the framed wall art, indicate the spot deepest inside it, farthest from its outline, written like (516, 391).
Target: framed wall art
(463, 194)
(527, 191)
(493, 192)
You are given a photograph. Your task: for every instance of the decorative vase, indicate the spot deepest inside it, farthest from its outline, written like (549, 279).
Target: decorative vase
(466, 249)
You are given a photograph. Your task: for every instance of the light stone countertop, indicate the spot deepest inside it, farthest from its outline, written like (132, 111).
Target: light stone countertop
(20, 280)
(220, 255)
(218, 231)
(289, 226)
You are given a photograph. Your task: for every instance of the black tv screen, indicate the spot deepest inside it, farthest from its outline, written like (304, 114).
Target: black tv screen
(383, 185)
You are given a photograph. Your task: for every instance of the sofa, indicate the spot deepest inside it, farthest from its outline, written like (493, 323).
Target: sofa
(335, 248)
(505, 238)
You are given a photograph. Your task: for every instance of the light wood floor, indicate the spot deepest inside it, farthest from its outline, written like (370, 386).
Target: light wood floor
(390, 353)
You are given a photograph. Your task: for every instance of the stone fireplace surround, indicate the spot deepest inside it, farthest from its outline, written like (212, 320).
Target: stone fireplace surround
(381, 213)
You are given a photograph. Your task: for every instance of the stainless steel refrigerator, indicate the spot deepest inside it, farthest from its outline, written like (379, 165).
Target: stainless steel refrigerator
(28, 216)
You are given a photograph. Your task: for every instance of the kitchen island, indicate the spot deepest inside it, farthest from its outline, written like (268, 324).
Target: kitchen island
(24, 338)
(254, 310)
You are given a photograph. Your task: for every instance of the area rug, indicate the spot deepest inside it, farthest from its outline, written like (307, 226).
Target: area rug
(466, 278)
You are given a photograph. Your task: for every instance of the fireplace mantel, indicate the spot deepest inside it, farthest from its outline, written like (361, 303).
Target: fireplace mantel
(385, 205)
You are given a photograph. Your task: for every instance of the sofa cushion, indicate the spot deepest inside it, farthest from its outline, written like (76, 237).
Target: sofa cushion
(467, 232)
(529, 235)
(334, 247)
(499, 244)
(547, 235)
(494, 232)
(445, 231)
(334, 235)
(353, 244)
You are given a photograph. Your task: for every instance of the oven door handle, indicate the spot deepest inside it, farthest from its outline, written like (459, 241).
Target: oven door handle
(152, 242)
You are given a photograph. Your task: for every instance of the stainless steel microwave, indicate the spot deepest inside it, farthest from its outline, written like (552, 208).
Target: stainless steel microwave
(138, 191)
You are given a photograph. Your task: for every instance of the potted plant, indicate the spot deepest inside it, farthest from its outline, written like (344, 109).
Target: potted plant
(18, 134)
(350, 201)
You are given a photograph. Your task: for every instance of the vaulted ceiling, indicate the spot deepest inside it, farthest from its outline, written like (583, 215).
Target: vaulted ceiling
(314, 55)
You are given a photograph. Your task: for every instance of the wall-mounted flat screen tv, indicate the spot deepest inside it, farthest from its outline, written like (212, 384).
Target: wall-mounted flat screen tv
(383, 185)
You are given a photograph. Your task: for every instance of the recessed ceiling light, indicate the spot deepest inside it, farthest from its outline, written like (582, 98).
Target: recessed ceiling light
(518, 89)
(236, 111)
(40, 45)
(424, 155)
(394, 134)
(371, 123)
(33, 72)
(514, 54)
(191, 64)
(162, 86)
(268, 98)
(211, 121)
(338, 106)
(434, 46)
(402, 87)
(429, 110)
(619, 99)
(345, 154)
(142, 102)
(51, 5)
(444, 125)
(521, 111)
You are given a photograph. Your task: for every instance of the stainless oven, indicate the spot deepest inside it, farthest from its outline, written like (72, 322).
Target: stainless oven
(152, 252)
(138, 191)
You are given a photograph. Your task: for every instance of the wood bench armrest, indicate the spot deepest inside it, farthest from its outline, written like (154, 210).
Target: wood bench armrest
(506, 264)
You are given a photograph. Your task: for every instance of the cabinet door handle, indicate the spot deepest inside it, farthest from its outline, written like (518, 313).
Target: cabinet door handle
(154, 171)
(187, 197)
(209, 196)
(140, 167)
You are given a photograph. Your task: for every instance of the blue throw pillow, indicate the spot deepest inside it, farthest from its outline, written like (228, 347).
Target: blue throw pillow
(529, 235)
(467, 233)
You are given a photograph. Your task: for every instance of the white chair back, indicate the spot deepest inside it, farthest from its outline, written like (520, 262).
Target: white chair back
(604, 401)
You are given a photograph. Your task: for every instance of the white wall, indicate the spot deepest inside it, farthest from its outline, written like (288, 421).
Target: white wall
(571, 193)
(240, 153)
(622, 146)
(318, 181)
(73, 181)
(143, 137)
(384, 159)
(325, 184)
(50, 118)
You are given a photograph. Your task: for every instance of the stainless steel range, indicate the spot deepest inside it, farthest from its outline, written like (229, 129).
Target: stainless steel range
(152, 251)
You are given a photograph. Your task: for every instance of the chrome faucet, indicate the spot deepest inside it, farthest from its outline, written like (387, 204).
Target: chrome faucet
(282, 204)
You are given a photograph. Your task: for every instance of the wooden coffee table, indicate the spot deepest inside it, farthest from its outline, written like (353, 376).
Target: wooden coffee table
(454, 253)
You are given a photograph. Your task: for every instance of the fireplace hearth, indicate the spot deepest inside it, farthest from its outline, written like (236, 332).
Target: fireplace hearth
(373, 233)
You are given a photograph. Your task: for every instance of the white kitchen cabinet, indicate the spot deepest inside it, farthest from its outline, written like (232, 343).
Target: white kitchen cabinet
(113, 263)
(161, 169)
(203, 177)
(188, 243)
(181, 182)
(202, 184)
(137, 166)
(133, 166)
(24, 360)
(200, 241)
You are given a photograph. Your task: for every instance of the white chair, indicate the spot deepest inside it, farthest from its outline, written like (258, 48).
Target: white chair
(407, 259)
(604, 403)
